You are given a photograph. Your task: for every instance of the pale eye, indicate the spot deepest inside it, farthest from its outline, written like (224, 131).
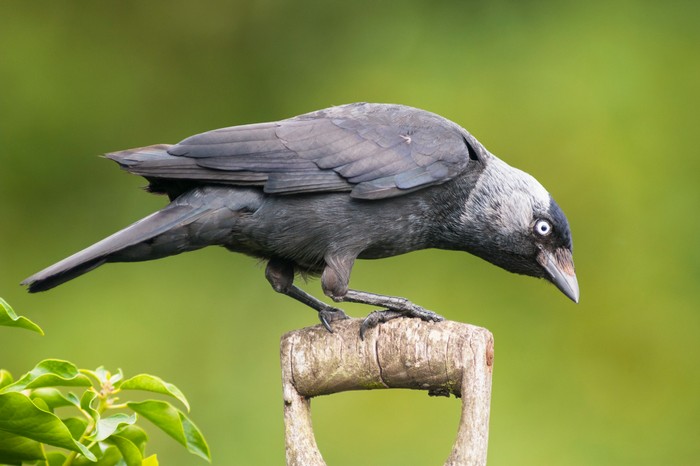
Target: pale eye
(543, 227)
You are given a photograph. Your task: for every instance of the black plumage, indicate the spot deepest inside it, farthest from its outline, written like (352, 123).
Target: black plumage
(312, 193)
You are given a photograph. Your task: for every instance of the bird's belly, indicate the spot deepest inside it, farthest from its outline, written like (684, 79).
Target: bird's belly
(307, 229)
(385, 249)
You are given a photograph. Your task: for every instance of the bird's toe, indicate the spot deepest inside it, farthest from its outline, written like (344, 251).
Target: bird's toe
(329, 315)
(377, 317)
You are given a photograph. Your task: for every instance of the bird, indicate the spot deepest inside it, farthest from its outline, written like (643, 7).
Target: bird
(312, 194)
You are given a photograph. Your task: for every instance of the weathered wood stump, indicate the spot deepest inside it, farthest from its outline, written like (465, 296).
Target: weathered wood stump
(443, 358)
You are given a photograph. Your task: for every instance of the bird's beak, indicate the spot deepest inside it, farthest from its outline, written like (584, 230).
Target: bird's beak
(560, 267)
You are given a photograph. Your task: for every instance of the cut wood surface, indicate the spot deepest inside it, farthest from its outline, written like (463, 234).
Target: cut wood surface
(442, 358)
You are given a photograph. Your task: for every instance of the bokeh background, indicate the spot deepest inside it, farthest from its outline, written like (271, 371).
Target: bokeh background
(598, 100)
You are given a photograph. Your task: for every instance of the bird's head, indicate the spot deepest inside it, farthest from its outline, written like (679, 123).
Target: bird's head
(514, 223)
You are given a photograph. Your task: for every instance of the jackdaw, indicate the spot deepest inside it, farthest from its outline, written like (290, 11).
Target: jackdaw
(313, 193)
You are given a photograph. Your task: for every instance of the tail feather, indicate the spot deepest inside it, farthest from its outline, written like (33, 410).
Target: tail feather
(117, 246)
(43, 281)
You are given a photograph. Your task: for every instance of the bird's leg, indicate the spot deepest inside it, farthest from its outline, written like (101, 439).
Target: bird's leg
(280, 274)
(335, 280)
(395, 307)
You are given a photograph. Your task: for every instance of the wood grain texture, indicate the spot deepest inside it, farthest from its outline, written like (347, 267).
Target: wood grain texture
(443, 358)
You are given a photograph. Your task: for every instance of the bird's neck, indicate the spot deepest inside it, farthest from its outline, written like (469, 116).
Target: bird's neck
(448, 230)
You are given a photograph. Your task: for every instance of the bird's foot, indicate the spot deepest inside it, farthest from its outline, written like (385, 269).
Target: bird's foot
(331, 314)
(378, 317)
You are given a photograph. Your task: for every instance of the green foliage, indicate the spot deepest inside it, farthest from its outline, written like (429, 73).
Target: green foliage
(8, 318)
(102, 431)
(174, 423)
(98, 428)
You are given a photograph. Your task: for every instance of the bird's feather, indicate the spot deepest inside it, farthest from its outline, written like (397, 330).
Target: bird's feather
(371, 150)
(155, 224)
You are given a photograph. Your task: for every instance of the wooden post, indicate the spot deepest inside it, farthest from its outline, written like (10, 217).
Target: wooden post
(443, 358)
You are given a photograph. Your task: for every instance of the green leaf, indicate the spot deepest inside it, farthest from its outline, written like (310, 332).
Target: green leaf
(136, 435)
(55, 458)
(131, 453)
(41, 404)
(174, 423)
(109, 425)
(5, 378)
(76, 426)
(151, 383)
(8, 318)
(50, 373)
(52, 397)
(109, 456)
(15, 448)
(86, 404)
(73, 398)
(19, 416)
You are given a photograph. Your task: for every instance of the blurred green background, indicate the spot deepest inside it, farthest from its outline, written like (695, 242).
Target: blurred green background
(598, 100)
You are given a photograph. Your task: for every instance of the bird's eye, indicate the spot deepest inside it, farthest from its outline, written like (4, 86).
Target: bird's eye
(543, 227)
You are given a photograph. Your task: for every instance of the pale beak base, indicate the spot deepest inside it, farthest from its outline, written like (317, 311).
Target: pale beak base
(560, 268)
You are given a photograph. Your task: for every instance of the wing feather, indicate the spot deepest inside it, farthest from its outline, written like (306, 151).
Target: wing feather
(372, 151)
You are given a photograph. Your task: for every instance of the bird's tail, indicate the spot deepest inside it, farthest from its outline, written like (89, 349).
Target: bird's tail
(190, 222)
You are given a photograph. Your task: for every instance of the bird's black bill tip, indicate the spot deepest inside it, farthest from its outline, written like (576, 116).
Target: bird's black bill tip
(559, 266)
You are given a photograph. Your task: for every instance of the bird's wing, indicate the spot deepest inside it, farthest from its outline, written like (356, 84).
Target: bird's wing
(372, 150)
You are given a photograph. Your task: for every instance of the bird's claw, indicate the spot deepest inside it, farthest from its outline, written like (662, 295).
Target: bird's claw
(378, 317)
(331, 314)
